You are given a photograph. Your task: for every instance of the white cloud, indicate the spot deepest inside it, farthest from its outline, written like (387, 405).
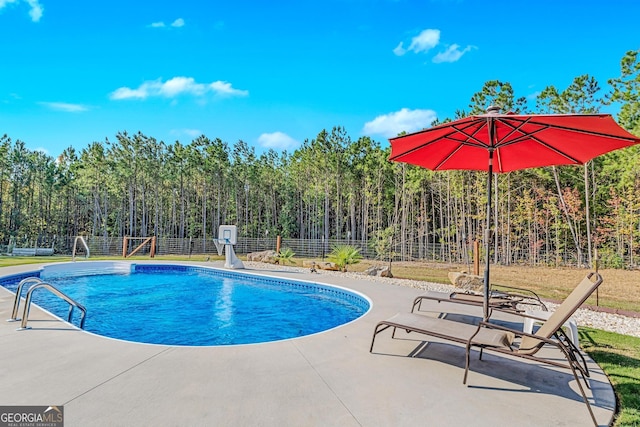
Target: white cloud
(160, 24)
(426, 40)
(175, 87)
(224, 88)
(178, 85)
(66, 107)
(278, 141)
(399, 50)
(390, 125)
(452, 54)
(35, 11)
(423, 42)
(429, 39)
(126, 93)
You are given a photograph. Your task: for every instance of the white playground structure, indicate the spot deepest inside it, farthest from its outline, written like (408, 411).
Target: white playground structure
(227, 237)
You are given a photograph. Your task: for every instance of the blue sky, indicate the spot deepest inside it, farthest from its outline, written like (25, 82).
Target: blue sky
(276, 73)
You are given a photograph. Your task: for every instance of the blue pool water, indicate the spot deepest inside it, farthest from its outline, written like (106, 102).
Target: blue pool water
(196, 306)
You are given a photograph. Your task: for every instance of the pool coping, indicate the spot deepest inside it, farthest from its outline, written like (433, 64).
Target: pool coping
(328, 378)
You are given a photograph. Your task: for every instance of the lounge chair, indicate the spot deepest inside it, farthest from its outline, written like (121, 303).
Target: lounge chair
(507, 298)
(487, 335)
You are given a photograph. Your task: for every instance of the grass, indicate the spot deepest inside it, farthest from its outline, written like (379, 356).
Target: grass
(618, 355)
(619, 291)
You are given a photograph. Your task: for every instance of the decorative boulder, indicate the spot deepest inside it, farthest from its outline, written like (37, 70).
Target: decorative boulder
(327, 266)
(378, 270)
(386, 272)
(372, 271)
(468, 282)
(270, 257)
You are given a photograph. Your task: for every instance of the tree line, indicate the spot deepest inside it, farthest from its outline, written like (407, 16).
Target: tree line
(336, 187)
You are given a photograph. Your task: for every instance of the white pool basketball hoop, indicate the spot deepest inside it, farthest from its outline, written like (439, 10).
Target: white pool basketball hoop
(227, 237)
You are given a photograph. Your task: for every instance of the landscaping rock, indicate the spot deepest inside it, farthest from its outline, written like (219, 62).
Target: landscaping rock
(327, 266)
(322, 265)
(386, 272)
(270, 257)
(372, 271)
(378, 270)
(467, 282)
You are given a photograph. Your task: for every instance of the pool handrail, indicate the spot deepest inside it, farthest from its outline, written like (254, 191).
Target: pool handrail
(57, 292)
(16, 302)
(75, 248)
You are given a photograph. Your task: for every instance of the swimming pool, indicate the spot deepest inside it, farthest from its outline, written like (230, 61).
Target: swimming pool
(175, 304)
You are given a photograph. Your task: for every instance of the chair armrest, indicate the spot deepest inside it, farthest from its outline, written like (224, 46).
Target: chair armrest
(520, 292)
(516, 332)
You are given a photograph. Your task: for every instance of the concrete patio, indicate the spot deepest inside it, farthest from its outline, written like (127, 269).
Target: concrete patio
(327, 379)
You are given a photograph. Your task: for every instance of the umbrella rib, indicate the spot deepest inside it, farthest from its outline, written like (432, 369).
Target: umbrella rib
(447, 137)
(531, 135)
(514, 129)
(520, 138)
(443, 161)
(594, 133)
(470, 136)
(498, 159)
(554, 149)
(532, 120)
(539, 141)
(461, 143)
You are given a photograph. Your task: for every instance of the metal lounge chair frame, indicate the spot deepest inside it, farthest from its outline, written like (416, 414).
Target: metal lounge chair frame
(487, 335)
(506, 298)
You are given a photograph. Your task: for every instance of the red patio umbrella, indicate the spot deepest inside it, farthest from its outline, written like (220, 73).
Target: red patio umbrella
(502, 143)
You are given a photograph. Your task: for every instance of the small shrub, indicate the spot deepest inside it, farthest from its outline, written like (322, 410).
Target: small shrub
(285, 255)
(610, 259)
(343, 255)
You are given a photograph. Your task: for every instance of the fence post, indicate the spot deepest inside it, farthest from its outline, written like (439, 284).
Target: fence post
(124, 247)
(278, 242)
(476, 257)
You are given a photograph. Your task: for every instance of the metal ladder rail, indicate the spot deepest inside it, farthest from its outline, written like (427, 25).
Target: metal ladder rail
(57, 292)
(16, 302)
(75, 247)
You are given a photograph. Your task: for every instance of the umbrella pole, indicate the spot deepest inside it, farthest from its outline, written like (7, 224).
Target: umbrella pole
(487, 239)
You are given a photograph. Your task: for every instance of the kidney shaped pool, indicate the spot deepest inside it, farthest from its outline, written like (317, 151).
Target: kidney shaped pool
(192, 305)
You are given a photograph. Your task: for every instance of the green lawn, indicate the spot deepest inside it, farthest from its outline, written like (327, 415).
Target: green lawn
(619, 357)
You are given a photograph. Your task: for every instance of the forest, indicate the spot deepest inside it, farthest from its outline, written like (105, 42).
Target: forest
(336, 187)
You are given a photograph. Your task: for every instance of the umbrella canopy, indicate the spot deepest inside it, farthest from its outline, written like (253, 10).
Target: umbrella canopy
(502, 143)
(518, 142)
